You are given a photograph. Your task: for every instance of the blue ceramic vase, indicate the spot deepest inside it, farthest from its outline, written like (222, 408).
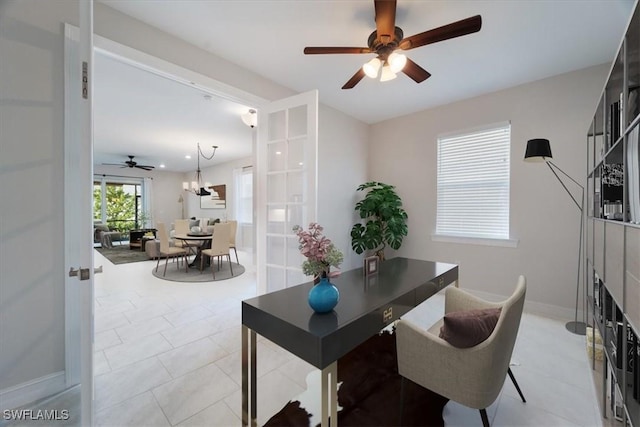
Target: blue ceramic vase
(323, 297)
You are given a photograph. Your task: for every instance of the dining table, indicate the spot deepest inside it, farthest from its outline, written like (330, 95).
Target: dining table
(204, 239)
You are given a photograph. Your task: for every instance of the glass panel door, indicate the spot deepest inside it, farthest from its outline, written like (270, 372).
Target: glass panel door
(286, 169)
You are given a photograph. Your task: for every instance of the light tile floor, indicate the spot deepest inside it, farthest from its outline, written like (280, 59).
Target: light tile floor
(168, 354)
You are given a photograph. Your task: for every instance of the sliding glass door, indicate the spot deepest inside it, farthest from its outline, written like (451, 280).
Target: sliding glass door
(118, 203)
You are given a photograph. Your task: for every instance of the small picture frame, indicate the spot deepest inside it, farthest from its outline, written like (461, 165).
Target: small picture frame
(371, 265)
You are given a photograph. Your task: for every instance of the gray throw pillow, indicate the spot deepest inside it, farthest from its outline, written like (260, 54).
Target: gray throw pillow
(195, 223)
(465, 329)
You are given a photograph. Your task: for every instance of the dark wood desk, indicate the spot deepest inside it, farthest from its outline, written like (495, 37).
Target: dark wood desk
(366, 306)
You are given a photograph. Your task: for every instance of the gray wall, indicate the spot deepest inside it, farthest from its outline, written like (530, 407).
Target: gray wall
(543, 217)
(342, 153)
(31, 189)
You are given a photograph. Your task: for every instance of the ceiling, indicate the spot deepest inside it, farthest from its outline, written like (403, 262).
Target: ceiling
(520, 41)
(160, 121)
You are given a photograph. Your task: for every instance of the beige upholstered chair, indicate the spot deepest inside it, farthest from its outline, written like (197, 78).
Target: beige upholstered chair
(219, 246)
(470, 376)
(167, 251)
(232, 238)
(181, 226)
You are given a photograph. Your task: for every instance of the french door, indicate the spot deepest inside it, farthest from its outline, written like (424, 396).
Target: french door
(78, 188)
(286, 160)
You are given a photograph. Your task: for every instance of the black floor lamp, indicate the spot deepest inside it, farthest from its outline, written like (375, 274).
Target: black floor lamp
(539, 150)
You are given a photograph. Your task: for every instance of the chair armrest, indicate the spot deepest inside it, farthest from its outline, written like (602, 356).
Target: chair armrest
(430, 361)
(458, 300)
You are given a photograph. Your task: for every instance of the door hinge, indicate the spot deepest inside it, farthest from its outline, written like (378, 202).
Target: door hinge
(85, 79)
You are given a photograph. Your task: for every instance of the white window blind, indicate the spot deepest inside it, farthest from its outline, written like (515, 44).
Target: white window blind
(244, 194)
(473, 183)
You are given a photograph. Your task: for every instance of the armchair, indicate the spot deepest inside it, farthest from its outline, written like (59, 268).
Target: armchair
(102, 234)
(471, 376)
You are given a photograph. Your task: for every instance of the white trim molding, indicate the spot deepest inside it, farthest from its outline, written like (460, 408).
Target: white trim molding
(30, 391)
(509, 243)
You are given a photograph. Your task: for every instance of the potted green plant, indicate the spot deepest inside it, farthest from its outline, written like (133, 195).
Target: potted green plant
(385, 221)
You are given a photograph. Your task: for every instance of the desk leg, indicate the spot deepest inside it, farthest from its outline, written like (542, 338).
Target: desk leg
(249, 404)
(329, 395)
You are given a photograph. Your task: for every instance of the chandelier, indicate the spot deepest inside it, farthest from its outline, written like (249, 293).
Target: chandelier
(197, 187)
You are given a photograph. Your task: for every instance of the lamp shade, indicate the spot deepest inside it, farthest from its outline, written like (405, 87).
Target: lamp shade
(538, 150)
(387, 74)
(397, 61)
(372, 67)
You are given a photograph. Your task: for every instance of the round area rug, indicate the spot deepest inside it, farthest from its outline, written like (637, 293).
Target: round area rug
(194, 274)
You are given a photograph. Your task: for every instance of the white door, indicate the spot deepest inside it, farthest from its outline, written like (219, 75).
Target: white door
(78, 188)
(286, 163)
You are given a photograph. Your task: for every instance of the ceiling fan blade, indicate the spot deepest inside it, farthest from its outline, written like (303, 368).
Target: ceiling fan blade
(145, 167)
(359, 75)
(416, 72)
(446, 32)
(385, 20)
(326, 50)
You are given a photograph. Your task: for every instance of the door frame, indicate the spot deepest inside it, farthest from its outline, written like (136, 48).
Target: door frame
(150, 63)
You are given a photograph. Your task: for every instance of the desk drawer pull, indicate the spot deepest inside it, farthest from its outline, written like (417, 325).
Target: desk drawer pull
(387, 315)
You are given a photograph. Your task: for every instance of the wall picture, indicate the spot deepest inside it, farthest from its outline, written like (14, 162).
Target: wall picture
(217, 199)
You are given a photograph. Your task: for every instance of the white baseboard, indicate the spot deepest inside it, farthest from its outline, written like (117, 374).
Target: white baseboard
(30, 391)
(537, 308)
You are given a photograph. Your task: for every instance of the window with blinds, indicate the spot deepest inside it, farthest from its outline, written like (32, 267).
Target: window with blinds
(473, 183)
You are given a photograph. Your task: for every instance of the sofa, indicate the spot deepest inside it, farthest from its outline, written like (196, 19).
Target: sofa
(205, 224)
(106, 237)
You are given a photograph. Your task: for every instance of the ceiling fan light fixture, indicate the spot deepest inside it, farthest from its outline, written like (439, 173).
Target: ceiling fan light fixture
(387, 74)
(397, 61)
(372, 68)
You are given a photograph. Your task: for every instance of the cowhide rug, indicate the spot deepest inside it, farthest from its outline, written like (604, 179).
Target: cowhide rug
(369, 392)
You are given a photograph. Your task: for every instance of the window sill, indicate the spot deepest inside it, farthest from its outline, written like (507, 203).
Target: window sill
(508, 243)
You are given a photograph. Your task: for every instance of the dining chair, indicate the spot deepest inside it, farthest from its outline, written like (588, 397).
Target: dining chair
(167, 251)
(181, 226)
(470, 374)
(232, 238)
(219, 247)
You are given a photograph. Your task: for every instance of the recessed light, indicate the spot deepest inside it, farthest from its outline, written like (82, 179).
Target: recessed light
(162, 165)
(187, 156)
(278, 152)
(300, 163)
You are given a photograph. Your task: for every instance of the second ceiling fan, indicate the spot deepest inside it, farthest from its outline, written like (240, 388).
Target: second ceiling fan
(387, 41)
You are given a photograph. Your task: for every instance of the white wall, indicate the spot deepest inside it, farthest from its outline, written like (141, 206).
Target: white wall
(216, 175)
(167, 188)
(543, 217)
(342, 167)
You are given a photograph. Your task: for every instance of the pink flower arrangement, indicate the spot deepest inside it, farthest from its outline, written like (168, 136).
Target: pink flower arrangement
(320, 252)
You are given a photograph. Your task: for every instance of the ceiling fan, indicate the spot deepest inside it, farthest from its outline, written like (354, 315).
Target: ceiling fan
(387, 42)
(131, 164)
